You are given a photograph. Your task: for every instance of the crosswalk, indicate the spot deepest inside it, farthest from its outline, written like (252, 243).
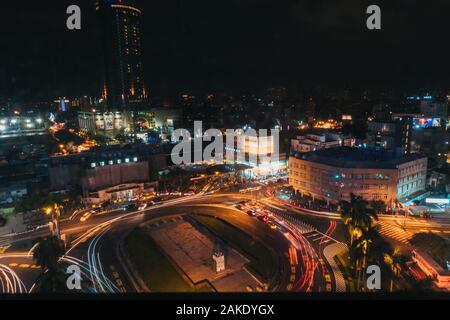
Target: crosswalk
(315, 236)
(393, 232)
(302, 227)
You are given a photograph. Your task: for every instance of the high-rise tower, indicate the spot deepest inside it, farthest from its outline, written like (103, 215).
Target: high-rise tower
(120, 27)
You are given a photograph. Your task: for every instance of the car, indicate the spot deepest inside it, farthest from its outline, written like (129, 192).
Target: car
(189, 193)
(86, 216)
(263, 218)
(142, 207)
(126, 207)
(272, 225)
(131, 206)
(251, 213)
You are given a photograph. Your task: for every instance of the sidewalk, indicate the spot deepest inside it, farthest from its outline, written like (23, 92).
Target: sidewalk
(330, 252)
(14, 224)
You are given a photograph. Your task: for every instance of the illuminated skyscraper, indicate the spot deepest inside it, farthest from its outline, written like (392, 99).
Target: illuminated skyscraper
(120, 27)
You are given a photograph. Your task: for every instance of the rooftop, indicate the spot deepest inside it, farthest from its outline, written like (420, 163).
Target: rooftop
(346, 157)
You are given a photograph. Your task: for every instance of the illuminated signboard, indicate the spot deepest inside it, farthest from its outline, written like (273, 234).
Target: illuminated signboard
(437, 201)
(419, 123)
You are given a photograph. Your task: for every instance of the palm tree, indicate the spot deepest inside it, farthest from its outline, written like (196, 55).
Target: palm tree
(395, 262)
(47, 254)
(357, 215)
(370, 248)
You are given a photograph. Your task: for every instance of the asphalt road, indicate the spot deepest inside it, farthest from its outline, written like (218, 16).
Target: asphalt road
(95, 244)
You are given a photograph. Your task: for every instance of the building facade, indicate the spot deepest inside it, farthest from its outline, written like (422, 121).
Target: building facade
(260, 153)
(313, 142)
(386, 135)
(96, 121)
(428, 136)
(22, 126)
(332, 175)
(120, 27)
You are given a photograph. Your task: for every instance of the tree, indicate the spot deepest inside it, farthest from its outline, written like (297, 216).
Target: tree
(357, 215)
(47, 254)
(370, 248)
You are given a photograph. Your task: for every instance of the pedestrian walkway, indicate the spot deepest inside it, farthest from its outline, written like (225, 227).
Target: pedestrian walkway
(393, 232)
(330, 252)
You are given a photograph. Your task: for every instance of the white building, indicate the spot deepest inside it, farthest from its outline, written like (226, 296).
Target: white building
(262, 154)
(219, 261)
(314, 142)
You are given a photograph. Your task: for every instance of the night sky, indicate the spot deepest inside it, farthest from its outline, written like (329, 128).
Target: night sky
(238, 46)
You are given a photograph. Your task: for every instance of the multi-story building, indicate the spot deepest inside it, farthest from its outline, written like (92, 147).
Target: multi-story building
(12, 192)
(105, 167)
(262, 154)
(22, 126)
(313, 142)
(385, 135)
(120, 25)
(97, 121)
(332, 175)
(434, 108)
(428, 136)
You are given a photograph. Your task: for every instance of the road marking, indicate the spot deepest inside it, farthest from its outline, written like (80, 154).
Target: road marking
(393, 232)
(4, 248)
(314, 234)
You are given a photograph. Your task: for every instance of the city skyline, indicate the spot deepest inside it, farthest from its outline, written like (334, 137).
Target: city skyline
(241, 51)
(295, 149)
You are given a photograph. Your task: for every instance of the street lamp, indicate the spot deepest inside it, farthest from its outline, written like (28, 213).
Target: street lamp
(55, 212)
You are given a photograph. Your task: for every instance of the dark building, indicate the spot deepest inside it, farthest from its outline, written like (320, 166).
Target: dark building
(386, 135)
(105, 167)
(120, 29)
